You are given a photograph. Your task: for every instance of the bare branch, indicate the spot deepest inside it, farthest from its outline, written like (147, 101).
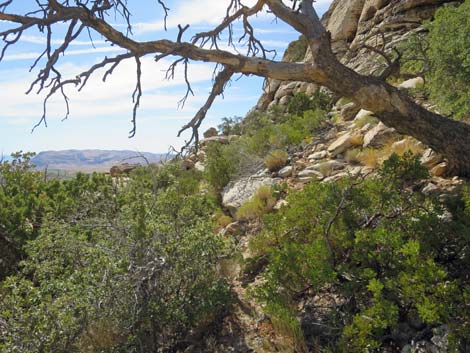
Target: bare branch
(220, 81)
(166, 10)
(136, 96)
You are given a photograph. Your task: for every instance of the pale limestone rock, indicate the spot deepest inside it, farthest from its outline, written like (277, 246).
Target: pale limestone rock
(310, 173)
(317, 155)
(327, 167)
(378, 136)
(344, 20)
(286, 171)
(412, 83)
(219, 139)
(199, 166)
(430, 158)
(430, 189)
(284, 101)
(336, 177)
(363, 113)
(341, 144)
(280, 204)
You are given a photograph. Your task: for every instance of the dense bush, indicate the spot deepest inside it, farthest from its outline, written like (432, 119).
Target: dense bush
(132, 269)
(449, 54)
(26, 198)
(302, 102)
(386, 255)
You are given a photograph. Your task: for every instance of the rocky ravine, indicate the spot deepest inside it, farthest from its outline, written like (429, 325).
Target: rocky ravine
(330, 155)
(326, 159)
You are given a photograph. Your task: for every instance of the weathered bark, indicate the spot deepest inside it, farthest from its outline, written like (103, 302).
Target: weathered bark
(394, 108)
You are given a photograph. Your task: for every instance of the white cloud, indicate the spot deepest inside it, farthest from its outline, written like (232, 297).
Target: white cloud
(42, 40)
(34, 54)
(191, 12)
(111, 98)
(208, 12)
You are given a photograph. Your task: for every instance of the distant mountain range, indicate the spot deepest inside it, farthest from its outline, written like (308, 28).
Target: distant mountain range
(91, 160)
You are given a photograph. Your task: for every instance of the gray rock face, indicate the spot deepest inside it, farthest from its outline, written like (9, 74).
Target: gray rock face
(350, 22)
(344, 19)
(240, 191)
(310, 173)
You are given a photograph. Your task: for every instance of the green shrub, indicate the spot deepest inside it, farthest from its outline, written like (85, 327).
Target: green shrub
(231, 126)
(301, 102)
(449, 54)
(221, 165)
(441, 56)
(134, 268)
(275, 160)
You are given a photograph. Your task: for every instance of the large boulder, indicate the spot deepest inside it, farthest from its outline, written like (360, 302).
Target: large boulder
(341, 144)
(240, 191)
(344, 19)
(378, 136)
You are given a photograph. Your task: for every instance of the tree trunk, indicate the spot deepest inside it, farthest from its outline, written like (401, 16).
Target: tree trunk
(396, 109)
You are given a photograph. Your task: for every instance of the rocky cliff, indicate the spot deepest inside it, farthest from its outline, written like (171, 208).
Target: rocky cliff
(353, 23)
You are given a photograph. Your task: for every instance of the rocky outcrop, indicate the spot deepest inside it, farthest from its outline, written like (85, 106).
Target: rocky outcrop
(353, 23)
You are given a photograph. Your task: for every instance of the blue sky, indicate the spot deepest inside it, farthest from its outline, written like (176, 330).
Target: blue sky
(101, 112)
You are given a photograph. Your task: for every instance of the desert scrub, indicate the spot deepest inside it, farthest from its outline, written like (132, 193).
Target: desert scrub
(275, 160)
(375, 243)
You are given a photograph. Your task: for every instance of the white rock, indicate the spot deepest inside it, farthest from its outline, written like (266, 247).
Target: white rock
(430, 189)
(412, 83)
(340, 145)
(310, 173)
(378, 136)
(330, 165)
(286, 172)
(280, 204)
(430, 158)
(362, 113)
(199, 166)
(318, 155)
